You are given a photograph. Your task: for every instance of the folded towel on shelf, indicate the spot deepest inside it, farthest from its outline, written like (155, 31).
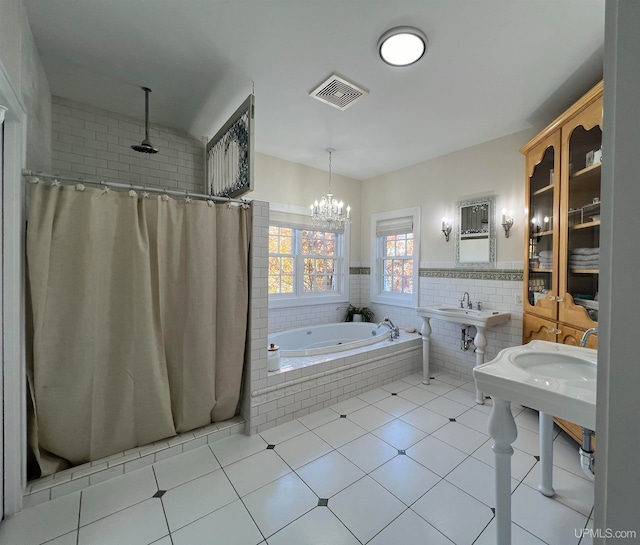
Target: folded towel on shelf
(584, 251)
(545, 254)
(584, 257)
(595, 264)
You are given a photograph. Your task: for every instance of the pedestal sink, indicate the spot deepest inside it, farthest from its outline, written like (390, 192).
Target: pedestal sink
(557, 380)
(480, 319)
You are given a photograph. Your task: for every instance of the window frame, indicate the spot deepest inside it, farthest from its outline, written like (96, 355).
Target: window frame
(377, 294)
(299, 297)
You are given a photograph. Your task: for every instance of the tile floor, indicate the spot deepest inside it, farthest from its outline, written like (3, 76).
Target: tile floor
(405, 463)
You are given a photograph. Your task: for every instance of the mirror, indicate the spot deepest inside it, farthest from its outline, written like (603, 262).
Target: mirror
(476, 233)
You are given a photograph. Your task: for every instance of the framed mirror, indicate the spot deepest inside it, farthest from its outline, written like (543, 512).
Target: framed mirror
(476, 232)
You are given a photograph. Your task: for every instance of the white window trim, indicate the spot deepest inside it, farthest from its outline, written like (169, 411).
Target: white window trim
(295, 300)
(376, 294)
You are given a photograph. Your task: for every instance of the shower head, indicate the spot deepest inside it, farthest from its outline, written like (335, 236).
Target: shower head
(146, 146)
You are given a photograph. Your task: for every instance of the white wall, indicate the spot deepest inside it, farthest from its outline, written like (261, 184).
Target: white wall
(285, 182)
(25, 90)
(617, 475)
(436, 185)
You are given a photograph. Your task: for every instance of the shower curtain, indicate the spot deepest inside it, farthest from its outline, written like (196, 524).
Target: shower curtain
(139, 316)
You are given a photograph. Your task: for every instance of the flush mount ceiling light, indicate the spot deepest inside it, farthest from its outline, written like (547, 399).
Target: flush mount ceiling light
(402, 46)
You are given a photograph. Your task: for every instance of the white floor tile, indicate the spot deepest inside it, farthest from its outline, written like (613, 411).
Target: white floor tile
(567, 457)
(452, 381)
(459, 436)
(277, 504)
(339, 432)
(399, 434)
(281, 433)
(238, 446)
(185, 467)
(319, 418)
(365, 508)
(231, 524)
(464, 397)
(527, 441)
(396, 405)
(519, 536)
(528, 419)
(251, 473)
(396, 386)
(111, 496)
(406, 479)
(318, 527)
(476, 420)
(548, 519)
(42, 522)
(409, 528)
(302, 449)
(349, 406)
(424, 419)
(141, 524)
(570, 490)
(375, 395)
(414, 379)
(446, 506)
(368, 452)
(197, 498)
(437, 387)
(521, 462)
(446, 407)
(436, 455)
(67, 539)
(164, 541)
(477, 480)
(370, 417)
(330, 474)
(418, 395)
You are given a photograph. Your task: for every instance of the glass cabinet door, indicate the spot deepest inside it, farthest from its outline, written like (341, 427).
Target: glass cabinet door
(542, 196)
(580, 239)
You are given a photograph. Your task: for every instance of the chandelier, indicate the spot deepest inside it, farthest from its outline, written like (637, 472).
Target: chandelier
(329, 211)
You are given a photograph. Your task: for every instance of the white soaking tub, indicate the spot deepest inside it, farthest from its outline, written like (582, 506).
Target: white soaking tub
(327, 339)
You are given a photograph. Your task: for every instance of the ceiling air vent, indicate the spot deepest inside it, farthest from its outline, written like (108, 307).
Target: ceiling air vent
(338, 92)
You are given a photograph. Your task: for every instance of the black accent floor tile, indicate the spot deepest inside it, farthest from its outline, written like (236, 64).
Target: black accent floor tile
(343, 416)
(452, 420)
(323, 502)
(402, 452)
(270, 447)
(537, 458)
(394, 394)
(159, 494)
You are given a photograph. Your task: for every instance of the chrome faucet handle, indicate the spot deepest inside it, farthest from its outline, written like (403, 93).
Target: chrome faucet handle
(479, 305)
(462, 303)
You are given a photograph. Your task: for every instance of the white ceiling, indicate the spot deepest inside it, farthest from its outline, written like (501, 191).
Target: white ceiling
(493, 67)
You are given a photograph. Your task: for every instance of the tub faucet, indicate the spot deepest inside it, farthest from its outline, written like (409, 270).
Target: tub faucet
(469, 303)
(587, 334)
(395, 331)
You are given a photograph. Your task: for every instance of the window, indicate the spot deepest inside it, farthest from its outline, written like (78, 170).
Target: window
(306, 264)
(394, 271)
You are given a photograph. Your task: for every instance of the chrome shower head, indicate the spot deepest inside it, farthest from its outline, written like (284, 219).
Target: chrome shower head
(146, 146)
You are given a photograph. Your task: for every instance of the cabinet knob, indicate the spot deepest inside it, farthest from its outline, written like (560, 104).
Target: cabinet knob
(552, 297)
(559, 299)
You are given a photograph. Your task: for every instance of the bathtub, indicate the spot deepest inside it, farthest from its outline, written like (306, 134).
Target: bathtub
(326, 339)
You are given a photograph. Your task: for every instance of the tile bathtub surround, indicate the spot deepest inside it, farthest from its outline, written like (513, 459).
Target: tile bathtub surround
(331, 378)
(378, 468)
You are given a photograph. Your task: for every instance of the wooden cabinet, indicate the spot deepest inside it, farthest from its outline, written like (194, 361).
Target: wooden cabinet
(562, 240)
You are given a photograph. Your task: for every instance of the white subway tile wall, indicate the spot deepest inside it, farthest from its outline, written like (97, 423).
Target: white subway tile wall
(446, 354)
(95, 144)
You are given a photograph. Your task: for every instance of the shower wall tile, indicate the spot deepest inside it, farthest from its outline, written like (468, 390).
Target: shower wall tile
(96, 144)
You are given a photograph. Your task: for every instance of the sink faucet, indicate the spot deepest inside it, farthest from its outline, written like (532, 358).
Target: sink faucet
(587, 334)
(395, 331)
(469, 303)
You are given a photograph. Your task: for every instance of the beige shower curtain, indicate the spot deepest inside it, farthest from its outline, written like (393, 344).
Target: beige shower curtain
(139, 316)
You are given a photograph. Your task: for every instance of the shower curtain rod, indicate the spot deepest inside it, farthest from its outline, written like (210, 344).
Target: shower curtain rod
(34, 177)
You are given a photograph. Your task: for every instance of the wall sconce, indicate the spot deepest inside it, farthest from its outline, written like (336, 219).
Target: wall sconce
(446, 228)
(507, 223)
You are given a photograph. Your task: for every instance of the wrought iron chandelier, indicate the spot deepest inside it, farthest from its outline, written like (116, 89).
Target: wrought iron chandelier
(329, 211)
